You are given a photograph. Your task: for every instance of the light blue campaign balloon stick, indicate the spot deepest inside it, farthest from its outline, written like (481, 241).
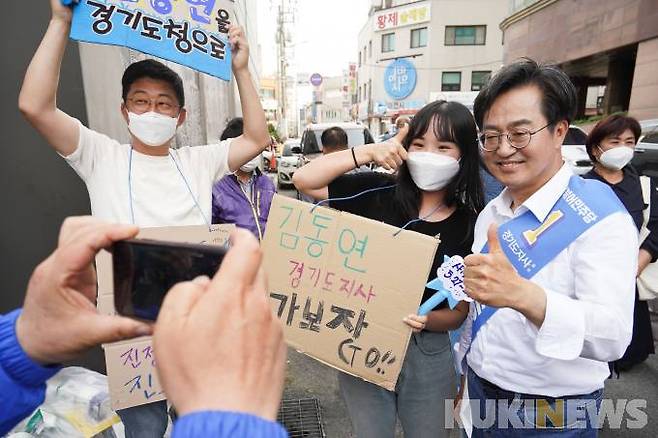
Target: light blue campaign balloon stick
(441, 295)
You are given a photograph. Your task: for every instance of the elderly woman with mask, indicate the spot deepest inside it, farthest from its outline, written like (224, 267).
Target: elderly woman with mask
(611, 145)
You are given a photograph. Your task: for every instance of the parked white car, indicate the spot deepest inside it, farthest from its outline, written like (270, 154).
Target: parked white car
(574, 152)
(289, 161)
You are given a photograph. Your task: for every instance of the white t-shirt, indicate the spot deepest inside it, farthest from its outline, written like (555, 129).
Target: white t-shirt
(160, 196)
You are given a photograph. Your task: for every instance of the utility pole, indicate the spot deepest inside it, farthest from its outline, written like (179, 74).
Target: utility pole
(282, 69)
(285, 52)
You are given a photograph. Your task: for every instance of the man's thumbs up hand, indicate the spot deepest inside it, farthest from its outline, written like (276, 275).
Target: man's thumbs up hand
(490, 278)
(492, 240)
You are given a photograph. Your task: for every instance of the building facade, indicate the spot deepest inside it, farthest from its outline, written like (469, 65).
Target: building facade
(599, 43)
(414, 52)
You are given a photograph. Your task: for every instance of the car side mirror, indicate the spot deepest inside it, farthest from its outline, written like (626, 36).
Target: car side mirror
(296, 150)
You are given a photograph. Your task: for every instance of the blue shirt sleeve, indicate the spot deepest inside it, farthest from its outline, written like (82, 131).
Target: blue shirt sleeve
(22, 381)
(220, 424)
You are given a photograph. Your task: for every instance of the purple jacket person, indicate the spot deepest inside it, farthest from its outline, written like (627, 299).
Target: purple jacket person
(244, 198)
(245, 203)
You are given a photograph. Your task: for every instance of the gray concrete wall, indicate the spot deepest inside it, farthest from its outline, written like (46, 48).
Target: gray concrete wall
(39, 188)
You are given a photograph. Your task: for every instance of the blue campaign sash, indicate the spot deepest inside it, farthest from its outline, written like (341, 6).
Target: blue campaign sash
(530, 245)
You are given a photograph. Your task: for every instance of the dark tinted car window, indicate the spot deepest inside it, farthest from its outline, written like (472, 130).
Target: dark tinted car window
(651, 138)
(367, 137)
(575, 136)
(310, 144)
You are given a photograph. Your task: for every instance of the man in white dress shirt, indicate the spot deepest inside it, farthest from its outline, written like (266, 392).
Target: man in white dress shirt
(541, 357)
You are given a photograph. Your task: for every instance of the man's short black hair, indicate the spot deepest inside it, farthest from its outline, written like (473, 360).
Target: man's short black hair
(559, 101)
(234, 128)
(150, 68)
(334, 138)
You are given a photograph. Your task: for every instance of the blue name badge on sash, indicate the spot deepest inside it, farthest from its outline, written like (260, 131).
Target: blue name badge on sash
(193, 33)
(530, 244)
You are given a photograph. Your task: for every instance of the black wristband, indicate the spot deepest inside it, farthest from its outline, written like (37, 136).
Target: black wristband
(356, 163)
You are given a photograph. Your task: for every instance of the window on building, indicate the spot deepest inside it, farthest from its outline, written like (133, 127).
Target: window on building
(479, 79)
(359, 59)
(451, 81)
(418, 38)
(369, 49)
(466, 35)
(388, 42)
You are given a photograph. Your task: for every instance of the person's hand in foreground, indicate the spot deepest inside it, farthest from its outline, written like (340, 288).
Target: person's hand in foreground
(217, 345)
(59, 318)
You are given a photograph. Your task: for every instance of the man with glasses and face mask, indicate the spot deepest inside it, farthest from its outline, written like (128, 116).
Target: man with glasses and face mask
(146, 182)
(553, 269)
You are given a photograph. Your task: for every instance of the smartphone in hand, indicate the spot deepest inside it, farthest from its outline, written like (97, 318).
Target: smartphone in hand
(144, 271)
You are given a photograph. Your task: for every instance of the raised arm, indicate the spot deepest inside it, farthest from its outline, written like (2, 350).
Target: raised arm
(313, 178)
(38, 97)
(255, 138)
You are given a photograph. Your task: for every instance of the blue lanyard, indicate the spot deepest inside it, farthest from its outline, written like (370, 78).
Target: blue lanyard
(376, 189)
(189, 189)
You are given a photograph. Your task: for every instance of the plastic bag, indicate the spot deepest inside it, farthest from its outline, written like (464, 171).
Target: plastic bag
(77, 405)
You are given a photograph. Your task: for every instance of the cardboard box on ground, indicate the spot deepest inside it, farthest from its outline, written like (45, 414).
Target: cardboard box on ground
(131, 373)
(341, 285)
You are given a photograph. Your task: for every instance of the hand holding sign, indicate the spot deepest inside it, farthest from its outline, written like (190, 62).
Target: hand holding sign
(239, 48)
(60, 11)
(490, 278)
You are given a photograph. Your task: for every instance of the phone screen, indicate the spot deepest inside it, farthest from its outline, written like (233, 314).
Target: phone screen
(145, 270)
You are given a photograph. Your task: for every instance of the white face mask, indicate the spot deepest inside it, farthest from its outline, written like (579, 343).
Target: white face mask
(251, 165)
(430, 171)
(151, 128)
(616, 158)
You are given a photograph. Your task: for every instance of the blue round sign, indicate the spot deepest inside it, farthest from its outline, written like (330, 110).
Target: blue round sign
(316, 79)
(400, 79)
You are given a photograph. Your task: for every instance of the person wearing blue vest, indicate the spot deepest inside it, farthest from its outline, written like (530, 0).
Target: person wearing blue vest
(224, 377)
(552, 271)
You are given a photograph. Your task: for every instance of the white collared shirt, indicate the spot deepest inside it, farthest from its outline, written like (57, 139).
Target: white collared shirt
(590, 292)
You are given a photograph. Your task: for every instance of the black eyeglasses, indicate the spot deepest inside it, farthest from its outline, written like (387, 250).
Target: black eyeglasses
(517, 138)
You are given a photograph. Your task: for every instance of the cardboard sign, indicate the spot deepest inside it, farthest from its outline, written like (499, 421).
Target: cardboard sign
(131, 373)
(341, 285)
(193, 33)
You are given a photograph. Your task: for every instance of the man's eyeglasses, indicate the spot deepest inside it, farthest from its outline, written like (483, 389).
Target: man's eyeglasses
(141, 105)
(517, 138)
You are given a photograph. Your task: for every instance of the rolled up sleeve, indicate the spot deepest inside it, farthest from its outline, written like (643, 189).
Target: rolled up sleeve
(596, 322)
